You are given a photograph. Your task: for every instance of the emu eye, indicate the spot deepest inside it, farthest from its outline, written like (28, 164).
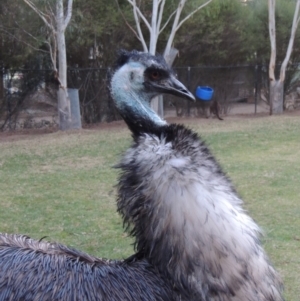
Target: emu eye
(155, 75)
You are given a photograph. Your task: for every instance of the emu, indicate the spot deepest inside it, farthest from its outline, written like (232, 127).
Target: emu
(193, 240)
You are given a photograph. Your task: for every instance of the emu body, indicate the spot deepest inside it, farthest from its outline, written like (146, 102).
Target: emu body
(31, 270)
(184, 213)
(192, 237)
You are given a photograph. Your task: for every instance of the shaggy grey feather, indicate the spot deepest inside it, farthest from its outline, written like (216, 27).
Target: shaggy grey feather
(40, 271)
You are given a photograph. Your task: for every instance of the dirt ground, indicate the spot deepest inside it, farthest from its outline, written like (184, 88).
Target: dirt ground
(236, 113)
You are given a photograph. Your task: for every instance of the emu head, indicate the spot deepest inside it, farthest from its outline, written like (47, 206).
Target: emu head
(138, 77)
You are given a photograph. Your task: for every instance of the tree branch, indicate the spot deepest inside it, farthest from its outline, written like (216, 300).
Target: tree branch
(291, 42)
(138, 26)
(272, 33)
(69, 13)
(52, 52)
(40, 14)
(154, 29)
(176, 24)
(129, 26)
(167, 22)
(161, 5)
(192, 13)
(50, 12)
(174, 27)
(138, 11)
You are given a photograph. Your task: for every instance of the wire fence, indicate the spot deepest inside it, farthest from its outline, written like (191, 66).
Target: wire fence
(28, 97)
(231, 85)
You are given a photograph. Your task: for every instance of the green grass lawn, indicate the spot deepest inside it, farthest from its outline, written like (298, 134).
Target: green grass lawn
(61, 185)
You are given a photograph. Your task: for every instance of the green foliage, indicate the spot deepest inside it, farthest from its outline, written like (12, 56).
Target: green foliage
(217, 35)
(98, 25)
(228, 33)
(21, 33)
(225, 32)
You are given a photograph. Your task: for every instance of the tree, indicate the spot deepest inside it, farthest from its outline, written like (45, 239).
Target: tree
(96, 29)
(156, 26)
(277, 85)
(20, 34)
(57, 21)
(219, 36)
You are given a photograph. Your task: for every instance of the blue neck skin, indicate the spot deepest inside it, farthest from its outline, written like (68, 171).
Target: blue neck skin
(131, 99)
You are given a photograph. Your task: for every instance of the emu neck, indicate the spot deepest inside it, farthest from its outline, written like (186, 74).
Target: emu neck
(133, 103)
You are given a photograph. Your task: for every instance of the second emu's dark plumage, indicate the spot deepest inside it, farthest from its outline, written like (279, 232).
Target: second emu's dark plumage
(193, 239)
(40, 271)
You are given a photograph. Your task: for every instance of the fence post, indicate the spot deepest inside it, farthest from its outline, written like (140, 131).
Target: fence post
(75, 108)
(8, 99)
(256, 87)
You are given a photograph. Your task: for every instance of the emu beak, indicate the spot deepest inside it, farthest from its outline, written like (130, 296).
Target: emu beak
(173, 86)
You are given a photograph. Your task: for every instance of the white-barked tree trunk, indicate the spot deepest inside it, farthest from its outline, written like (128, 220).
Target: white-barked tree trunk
(64, 103)
(276, 89)
(57, 21)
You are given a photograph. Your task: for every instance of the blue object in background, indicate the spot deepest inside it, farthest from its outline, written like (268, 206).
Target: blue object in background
(204, 93)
